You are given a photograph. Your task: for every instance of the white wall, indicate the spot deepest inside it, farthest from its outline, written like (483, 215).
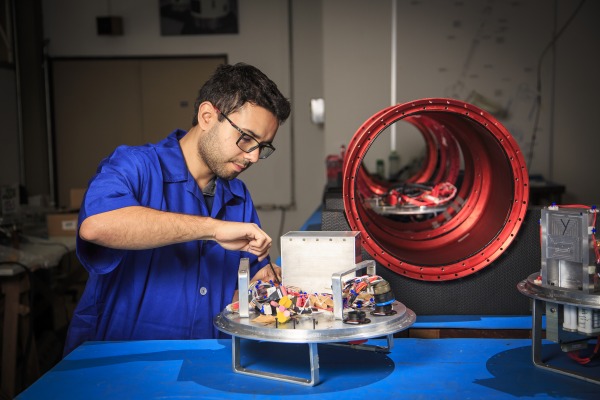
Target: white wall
(356, 65)
(576, 135)
(460, 48)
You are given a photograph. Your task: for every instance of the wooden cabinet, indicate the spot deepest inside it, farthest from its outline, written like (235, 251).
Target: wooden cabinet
(99, 104)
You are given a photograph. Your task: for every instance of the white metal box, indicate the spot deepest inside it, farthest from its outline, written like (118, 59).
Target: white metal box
(309, 258)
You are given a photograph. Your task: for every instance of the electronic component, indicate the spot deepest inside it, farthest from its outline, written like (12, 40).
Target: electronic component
(314, 304)
(356, 317)
(383, 298)
(567, 288)
(413, 199)
(569, 262)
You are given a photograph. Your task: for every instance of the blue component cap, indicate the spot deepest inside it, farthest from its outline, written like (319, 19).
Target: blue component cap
(385, 303)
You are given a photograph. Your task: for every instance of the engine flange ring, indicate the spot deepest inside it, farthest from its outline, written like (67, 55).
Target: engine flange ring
(474, 229)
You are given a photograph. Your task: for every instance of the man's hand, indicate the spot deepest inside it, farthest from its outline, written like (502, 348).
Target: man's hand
(243, 236)
(266, 274)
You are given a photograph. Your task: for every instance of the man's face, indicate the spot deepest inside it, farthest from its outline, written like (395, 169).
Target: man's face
(217, 147)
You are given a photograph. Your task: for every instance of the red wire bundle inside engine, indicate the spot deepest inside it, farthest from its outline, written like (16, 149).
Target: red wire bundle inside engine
(422, 195)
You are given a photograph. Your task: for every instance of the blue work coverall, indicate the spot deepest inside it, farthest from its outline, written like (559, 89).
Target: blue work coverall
(170, 292)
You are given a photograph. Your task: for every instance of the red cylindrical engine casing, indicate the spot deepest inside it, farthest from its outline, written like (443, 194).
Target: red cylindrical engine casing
(484, 217)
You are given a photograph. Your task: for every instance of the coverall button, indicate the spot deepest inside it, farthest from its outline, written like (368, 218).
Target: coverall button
(203, 290)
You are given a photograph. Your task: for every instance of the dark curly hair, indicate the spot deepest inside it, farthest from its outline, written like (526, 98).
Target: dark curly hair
(232, 86)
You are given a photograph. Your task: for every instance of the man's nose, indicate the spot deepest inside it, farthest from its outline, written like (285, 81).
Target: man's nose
(253, 155)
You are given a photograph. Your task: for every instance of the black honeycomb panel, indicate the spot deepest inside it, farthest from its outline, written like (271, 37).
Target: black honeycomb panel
(490, 291)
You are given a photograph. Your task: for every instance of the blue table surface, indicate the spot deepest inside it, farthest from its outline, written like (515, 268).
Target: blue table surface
(475, 322)
(414, 369)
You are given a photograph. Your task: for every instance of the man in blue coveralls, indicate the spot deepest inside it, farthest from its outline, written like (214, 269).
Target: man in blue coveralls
(162, 227)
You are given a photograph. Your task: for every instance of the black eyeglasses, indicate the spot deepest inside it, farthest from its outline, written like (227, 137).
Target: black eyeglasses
(248, 143)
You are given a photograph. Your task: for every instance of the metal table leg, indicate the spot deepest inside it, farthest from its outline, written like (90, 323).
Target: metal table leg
(370, 347)
(536, 348)
(314, 366)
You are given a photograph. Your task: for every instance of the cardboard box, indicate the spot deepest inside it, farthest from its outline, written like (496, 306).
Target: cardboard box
(76, 198)
(62, 224)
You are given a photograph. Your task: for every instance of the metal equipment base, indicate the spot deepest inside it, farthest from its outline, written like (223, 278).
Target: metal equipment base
(318, 328)
(540, 295)
(314, 366)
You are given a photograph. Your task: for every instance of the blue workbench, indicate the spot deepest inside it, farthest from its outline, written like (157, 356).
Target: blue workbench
(415, 369)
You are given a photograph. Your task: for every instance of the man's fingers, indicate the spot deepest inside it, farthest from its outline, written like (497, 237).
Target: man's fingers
(260, 244)
(245, 237)
(267, 273)
(260, 239)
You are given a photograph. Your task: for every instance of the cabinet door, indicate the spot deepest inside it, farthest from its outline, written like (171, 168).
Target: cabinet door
(169, 90)
(99, 104)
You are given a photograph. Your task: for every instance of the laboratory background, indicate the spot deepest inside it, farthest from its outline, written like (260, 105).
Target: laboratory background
(79, 78)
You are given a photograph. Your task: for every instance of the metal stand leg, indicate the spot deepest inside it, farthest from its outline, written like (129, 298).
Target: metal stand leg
(370, 347)
(536, 348)
(314, 366)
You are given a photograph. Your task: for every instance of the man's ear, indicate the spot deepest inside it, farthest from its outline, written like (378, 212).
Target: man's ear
(207, 115)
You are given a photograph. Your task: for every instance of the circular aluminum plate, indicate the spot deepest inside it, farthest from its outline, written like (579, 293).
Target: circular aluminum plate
(554, 294)
(315, 328)
(405, 209)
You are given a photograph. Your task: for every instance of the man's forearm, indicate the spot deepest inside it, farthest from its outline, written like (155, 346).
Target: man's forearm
(137, 228)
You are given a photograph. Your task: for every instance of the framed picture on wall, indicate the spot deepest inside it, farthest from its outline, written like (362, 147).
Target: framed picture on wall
(198, 17)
